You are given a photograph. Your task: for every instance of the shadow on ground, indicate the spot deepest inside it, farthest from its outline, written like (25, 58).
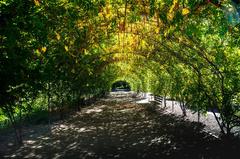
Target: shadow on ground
(112, 129)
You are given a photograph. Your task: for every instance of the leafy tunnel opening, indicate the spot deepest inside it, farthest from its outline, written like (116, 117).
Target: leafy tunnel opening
(121, 86)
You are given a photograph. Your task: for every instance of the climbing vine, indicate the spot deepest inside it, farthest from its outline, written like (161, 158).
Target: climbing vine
(71, 51)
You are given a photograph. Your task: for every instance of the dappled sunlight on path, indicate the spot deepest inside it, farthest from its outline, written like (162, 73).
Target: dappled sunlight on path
(114, 128)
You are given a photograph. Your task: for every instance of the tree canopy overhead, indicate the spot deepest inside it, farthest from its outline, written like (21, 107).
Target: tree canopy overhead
(72, 49)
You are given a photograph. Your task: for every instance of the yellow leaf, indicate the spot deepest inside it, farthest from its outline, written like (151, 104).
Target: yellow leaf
(180, 39)
(80, 24)
(170, 17)
(37, 2)
(143, 43)
(100, 15)
(171, 12)
(85, 51)
(66, 48)
(44, 49)
(166, 33)
(108, 16)
(58, 36)
(185, 11)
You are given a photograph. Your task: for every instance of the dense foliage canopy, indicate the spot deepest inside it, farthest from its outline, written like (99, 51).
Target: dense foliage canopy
(59, 53)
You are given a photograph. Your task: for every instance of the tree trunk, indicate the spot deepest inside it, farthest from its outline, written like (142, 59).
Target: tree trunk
(20, 136)
(49, 105)
(14, 125)
(198, 114)
(61, 108)
(165, 102)
(219, 124)
(228, 129)
(182, 106)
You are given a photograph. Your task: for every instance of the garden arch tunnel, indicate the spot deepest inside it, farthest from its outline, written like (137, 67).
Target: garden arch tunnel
(121, 86)
(170, 48)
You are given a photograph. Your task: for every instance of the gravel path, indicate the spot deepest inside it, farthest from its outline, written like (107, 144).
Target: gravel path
(208, 119)
(121, 126)
(211, 125)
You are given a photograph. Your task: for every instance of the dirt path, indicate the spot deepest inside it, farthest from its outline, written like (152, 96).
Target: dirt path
(117, 127)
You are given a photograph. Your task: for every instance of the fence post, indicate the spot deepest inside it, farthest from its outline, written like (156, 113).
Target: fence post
(198, 113)
(165, 101)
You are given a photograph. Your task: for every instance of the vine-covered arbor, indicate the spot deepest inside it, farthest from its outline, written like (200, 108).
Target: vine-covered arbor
(58, 53)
